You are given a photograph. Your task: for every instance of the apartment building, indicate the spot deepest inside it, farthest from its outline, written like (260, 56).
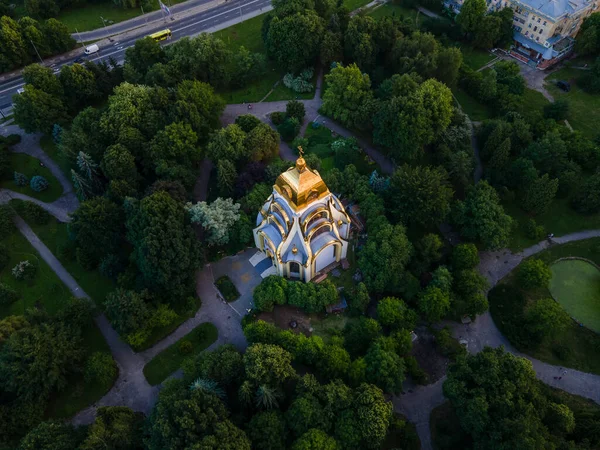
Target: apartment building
(544, 30)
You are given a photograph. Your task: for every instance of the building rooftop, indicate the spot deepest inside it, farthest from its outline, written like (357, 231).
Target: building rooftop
(555, 8)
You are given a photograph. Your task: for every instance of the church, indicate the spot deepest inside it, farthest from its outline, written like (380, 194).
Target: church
(303, 228)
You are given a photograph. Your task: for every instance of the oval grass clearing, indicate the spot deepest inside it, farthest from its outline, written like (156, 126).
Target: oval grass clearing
(575, 284)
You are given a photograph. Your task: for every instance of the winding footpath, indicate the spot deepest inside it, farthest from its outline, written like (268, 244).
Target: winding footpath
(132, 389)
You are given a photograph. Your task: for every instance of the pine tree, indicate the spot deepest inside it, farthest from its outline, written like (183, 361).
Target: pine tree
(82, 186)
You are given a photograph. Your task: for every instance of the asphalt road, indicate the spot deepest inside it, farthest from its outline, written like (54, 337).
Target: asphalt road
(185, 27)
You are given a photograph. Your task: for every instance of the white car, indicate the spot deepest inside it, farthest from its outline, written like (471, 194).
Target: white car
(20, 90)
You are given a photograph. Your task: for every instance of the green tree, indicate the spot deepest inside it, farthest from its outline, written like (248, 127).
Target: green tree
(315, 439)
(79, 85)
(348, 91)
(334, 362)
(267, 431)
(271, 291)
(197, 104)
(332, 48)
(588, 39)
(175, 153)
(223, 365)
(393, 312)
(247, 122)
(57, 34)
(293, 41)
(115, 427)
(481, 217)
(587, 197)
(359, 300)
(464, 256)
(559, 418)
(228, 143)
(97, 228)
(36, 110)
(127, 311)
(358, 336)
(268, 364)
(422, 195)
(262, 143)
(50, 435)
(534, 273)
(539, 194)
(305, 413)
(43, 78)
(434, 304)
(119, 164)
(294, 108)
(364, 424)
(226, 176)
(448, 62)
(471, 15)
(37, 360)
(472, 388)
(164, 245)
(384, 257)
(185, 419)
(384, 369)
(138, 59)
(216, 218)
(14, 49)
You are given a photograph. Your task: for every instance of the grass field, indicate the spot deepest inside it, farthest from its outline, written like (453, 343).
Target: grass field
(533, 102)
(560, 219)
(575, 346)
(55, 235)
(48, 292)
(473, 57)
(393, 10)
(475, 110)
(22, 163)
(584, 112)
(45, 290)
(52, 151)
(171, 358)
(575, 284)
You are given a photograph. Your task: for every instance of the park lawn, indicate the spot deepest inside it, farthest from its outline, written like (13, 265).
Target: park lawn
(575, 346)
(475, 58)
(247, 33)
(80, 393)
(329, 326)
(57, 156)
(171, 358)
(584, 108)
(255, 91)
(355, 4)
(45, 290)
(575, 285)
(55, 235)
(471, 107)
(559, 219)
(393, 10)
(22, 163)
(533, 102)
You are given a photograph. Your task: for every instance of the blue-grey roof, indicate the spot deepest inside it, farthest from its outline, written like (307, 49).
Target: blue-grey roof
(555, 8)
(273, 234)
(529, 43)
(321, 240)
(300, 257)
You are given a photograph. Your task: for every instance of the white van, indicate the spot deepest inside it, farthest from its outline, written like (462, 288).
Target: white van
(91, 49)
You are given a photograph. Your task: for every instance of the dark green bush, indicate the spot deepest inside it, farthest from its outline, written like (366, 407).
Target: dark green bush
(227, 288)
(418, 375)
(277, 117)
(7, 295)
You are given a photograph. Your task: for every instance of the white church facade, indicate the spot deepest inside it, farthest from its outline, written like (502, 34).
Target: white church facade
(302, 227)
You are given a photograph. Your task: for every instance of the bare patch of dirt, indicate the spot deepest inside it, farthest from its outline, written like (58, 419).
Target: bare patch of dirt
(425, 352)
(284, 315)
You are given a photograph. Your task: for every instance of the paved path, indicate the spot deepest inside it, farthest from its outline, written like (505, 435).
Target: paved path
(417, 406)
(30, 145)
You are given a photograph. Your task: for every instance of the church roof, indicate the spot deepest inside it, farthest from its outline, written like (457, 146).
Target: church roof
(301, 185)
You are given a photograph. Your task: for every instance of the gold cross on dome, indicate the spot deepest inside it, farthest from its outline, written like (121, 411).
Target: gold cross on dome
(300, 150)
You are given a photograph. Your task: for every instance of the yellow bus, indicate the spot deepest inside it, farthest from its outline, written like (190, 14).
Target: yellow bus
(161, 35)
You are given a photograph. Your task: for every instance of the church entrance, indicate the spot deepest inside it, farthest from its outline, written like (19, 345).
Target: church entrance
(294, 270)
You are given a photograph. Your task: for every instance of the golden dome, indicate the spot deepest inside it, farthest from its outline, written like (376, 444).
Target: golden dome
(301, 185)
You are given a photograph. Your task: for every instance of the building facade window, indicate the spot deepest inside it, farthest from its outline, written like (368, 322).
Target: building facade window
(541, 30)
(534, 28)
(545, 23)
(539, 20)
(527, 33)
(530, 25)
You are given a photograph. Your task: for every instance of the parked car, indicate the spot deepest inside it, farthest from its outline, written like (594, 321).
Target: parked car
(563, 85)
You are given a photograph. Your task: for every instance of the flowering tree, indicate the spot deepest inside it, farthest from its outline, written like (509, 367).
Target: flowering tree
(216, 218)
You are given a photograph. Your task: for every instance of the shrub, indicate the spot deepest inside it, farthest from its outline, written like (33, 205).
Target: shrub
(464, 256)
(111, 266)
(558, 110)
(101, 368)
(38, 183)
(21, 179)
(227, 288)
(289, 129)
(418, 375)
(24, 271)
(185, 347)
(7, 295)
(447, 345)
(6, 224)
(534, 273)
(4, 256)
(295, 109)
(300, 83)
(534, 231)
(277, 117)
(12, 139)
(33, 212)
